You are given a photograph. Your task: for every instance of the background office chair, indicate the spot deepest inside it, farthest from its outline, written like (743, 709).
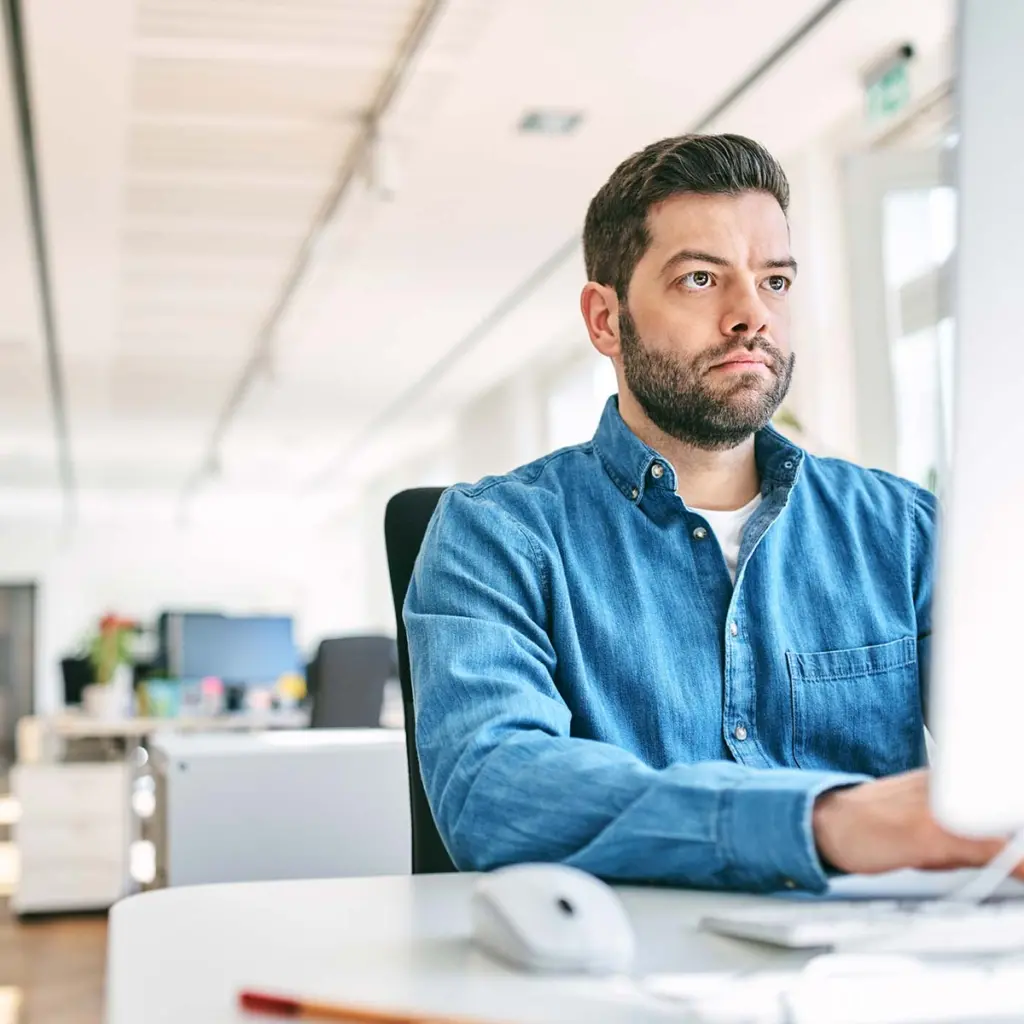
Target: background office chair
(346, 680)
(77, 674)
(405, 522)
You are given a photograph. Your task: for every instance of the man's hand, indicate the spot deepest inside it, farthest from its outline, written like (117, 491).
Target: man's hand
(888, 824)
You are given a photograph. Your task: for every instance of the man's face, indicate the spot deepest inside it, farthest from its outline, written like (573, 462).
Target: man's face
(705, 332)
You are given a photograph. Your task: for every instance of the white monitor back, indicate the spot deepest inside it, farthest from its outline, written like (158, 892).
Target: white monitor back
(977, 664)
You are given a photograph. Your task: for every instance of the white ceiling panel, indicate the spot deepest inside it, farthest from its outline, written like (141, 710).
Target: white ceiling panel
(314, 22)
(215, 129)
(210, 241)
(219, 203)
(237, 89)
(220, 149)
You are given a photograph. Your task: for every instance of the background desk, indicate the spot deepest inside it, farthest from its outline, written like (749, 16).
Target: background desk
(76, 825)
(183, 954)
(41, 738)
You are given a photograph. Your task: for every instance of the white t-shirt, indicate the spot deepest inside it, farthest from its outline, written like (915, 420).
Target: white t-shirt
(728, 527)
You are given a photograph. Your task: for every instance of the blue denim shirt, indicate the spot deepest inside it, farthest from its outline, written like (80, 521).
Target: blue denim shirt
(592, 688)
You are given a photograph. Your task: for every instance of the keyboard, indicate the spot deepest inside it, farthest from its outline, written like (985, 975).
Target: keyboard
(929, 927)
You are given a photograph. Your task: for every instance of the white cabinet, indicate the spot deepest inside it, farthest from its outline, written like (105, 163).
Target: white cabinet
(73, 836)
(320, 803)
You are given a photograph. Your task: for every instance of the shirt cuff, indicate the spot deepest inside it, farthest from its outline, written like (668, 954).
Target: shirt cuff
(766, 830)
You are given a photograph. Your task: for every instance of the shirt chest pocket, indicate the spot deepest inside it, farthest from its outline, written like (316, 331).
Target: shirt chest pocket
(859, 709)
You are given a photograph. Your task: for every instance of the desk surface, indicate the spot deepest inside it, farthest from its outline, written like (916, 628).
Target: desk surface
(400, 943)
(37, 733)
(70, 726)
(284, 743)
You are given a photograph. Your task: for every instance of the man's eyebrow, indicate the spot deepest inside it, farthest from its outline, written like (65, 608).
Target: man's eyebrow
(787, 264)
(693, 256)
(696, 256)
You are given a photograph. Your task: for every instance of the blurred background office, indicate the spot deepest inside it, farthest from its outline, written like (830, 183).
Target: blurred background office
(266, 263)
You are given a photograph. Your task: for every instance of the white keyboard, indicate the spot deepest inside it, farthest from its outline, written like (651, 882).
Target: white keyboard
(930, 927)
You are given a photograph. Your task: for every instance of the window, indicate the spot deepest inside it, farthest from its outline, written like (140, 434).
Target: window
(919, 231)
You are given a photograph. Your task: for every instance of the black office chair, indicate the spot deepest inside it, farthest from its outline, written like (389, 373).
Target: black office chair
(405, 522)
(346, 681)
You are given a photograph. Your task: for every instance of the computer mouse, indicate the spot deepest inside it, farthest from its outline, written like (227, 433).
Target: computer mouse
(552, 918)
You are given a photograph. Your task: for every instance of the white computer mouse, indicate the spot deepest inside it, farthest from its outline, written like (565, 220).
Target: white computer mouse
(552, 918)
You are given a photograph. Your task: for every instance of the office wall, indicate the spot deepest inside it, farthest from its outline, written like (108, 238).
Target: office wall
(138, 571)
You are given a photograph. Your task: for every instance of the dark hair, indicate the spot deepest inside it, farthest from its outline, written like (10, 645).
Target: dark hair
(615, 235)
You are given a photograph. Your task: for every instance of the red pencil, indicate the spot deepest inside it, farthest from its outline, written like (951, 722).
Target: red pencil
(302, 1009)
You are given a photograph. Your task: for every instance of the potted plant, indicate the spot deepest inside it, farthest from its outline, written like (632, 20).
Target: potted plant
(110, 654)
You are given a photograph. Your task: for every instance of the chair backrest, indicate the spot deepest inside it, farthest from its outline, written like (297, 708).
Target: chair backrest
(77, 674)
(405, 523)
(348, 677)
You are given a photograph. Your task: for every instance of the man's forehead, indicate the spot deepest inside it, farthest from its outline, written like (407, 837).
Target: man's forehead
(697, 221)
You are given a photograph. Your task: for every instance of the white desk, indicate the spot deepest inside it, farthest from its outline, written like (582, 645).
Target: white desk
(40, 738)
(401, 943)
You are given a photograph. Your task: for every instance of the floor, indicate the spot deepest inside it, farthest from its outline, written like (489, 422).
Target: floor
(51, 969)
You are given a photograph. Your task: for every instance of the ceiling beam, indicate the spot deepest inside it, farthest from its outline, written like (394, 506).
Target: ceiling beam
(18, 66)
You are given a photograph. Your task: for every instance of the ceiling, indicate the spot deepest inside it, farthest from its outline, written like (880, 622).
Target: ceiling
(187, 148)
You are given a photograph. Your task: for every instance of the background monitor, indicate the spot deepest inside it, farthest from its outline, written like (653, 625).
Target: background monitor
(236, 649)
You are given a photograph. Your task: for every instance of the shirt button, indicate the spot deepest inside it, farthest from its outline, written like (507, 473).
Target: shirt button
(734, 629)
(700, 533)
(634, 494)
(740, 732)
(789, 883)
(657, 471)
(788, 464)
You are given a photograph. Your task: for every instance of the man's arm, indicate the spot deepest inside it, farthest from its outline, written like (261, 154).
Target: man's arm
(506, 780)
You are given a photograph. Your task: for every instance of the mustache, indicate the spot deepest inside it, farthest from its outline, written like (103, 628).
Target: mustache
(758, 343)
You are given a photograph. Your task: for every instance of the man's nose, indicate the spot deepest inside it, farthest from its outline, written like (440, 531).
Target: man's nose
(746, 317)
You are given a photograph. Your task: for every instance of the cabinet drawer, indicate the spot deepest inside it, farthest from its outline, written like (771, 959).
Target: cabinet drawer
(71, 792)
(77, 841)
(53, 888)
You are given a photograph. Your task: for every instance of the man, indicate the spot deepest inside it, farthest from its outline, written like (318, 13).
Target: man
(686, 651)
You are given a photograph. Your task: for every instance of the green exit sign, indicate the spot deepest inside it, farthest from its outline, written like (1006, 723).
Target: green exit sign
(889, 92)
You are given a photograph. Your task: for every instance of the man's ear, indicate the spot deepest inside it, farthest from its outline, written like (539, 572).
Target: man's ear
(600, 307)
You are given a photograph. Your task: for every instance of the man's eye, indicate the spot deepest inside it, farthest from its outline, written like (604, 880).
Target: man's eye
(778, 283)
(697, 280)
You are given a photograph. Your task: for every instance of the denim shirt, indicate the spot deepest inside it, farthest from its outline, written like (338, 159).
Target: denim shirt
(593, 689)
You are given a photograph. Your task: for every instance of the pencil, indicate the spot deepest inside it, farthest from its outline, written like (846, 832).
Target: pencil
(302, 1009)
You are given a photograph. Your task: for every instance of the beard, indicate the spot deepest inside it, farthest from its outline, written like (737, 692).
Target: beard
(682, 401)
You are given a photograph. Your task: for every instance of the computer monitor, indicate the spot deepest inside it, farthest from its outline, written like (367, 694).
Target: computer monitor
(239, 650)
(977, 668)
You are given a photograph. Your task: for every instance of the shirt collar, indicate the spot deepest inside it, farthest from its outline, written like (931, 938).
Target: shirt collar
(635, 467)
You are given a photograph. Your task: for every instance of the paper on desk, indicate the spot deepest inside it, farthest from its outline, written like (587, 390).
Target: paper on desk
(897, 990)
(906, 885)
